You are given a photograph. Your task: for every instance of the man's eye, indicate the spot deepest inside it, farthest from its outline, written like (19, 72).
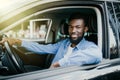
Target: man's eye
(70, 27)
(78, 26)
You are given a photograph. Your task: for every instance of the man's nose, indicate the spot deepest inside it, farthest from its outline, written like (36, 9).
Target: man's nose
(74, 30)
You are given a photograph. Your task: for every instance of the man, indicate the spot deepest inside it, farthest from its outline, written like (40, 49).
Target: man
(74, 50)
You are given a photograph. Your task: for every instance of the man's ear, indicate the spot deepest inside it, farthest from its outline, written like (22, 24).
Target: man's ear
(86, 29)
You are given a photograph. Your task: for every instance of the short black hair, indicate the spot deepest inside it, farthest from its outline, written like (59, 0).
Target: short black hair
(79, 15)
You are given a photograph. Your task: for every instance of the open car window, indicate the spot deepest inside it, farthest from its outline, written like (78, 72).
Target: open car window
(53, 17)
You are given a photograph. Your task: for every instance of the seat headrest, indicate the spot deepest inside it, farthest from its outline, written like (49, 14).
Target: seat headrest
(64, 28)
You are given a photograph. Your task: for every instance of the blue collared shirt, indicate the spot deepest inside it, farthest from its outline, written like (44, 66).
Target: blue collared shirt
(85, 52)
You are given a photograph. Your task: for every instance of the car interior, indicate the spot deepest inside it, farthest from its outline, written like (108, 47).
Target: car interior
(17, 59)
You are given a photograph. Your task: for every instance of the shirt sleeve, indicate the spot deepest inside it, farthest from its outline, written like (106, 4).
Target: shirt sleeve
(90, 55)
(39, 48)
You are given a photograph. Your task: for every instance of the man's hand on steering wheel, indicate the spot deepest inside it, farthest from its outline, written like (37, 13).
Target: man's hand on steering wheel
(10, 58)
(12, 41)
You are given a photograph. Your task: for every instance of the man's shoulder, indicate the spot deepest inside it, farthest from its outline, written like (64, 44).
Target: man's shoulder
(64, 40)
(89, 43)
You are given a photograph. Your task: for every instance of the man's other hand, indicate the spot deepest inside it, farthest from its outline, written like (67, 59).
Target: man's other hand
(55, 65)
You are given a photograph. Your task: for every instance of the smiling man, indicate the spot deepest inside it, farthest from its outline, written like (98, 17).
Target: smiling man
(77, 28)
(74, 50)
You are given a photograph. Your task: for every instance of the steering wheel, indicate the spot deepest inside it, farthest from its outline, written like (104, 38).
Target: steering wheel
(11, 60)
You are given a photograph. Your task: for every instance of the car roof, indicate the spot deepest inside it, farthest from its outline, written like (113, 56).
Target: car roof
(10, 6)
(19, 6)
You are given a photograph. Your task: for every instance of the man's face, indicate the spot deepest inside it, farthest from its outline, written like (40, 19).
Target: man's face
(76, 30)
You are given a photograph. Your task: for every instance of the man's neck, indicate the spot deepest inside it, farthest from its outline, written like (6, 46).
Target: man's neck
(73, 45)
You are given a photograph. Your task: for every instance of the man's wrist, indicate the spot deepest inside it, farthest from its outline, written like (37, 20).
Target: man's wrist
(18, 42)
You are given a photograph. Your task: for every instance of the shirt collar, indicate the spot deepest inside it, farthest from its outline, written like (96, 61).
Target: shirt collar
(78, 46)
(67, 43)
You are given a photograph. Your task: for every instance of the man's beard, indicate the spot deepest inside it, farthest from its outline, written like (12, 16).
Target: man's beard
(76, 41)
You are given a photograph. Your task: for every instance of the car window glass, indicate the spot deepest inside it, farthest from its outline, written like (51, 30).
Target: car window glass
(117, 14)
(113, 13)
(112, 43)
